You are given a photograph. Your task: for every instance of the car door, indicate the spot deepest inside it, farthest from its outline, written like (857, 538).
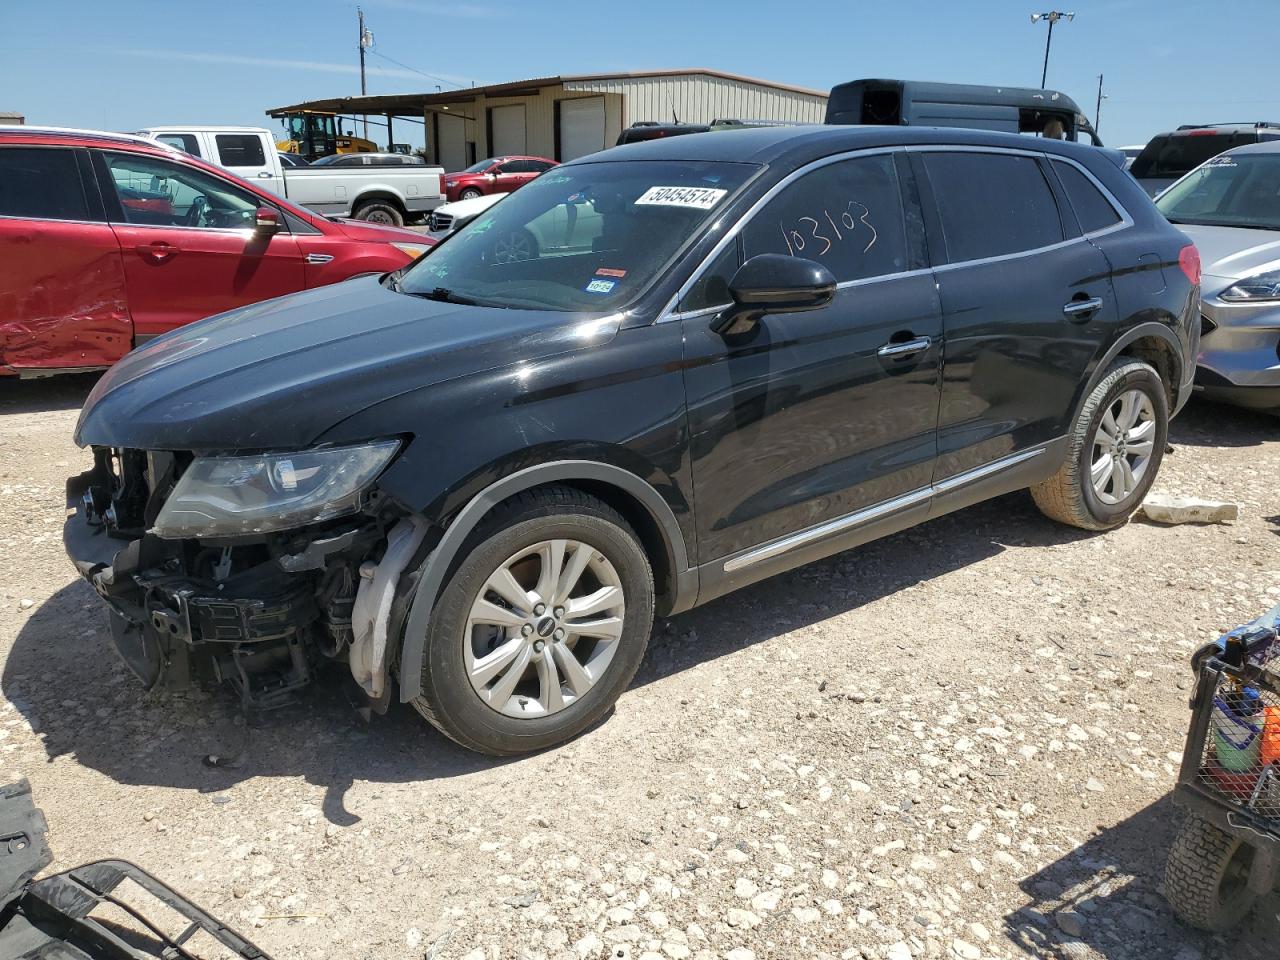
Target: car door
(1026, 303)
(62, 287)
(506, 176)
(188, 241)
(818, 422)
(245, 156)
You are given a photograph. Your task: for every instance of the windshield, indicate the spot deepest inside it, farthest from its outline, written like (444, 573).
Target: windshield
(588, 237)
(1242, 190)
(1172, 155)
(480, 167)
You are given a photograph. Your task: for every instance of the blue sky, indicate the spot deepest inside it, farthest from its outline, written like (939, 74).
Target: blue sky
(129, 63)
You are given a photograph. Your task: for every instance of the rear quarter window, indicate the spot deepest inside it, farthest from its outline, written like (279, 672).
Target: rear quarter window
(1093, 210)
(992, 204)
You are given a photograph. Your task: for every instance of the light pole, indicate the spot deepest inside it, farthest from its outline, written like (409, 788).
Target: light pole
(365, 42)
(1053, 16)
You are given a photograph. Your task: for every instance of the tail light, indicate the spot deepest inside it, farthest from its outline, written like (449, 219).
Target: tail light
(1189, 261)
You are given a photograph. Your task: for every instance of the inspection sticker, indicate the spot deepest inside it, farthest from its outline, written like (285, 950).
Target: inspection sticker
(601, 286)
(611, 272)
(700, 198)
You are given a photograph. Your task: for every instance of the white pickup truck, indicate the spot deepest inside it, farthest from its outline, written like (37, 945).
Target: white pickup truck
(393, 194)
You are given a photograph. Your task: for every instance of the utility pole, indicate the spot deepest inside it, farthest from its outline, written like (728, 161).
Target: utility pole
(1053, 16)
(1097, 110)
(365, 41)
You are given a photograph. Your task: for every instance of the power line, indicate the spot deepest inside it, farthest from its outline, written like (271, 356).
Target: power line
(421, 73)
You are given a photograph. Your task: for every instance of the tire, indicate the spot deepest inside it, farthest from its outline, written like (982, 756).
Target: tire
(525, 716)
(1070, 496)
(515, 247)
(1206, 878)
(380, 211)
(469, 194)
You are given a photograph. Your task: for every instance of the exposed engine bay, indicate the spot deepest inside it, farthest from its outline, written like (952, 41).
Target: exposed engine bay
(260, 607)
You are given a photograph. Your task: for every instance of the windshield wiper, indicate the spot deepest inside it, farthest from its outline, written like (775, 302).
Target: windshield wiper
(445, 295)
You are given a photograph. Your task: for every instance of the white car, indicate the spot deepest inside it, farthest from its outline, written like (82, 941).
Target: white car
(448, 217)
(390, 194)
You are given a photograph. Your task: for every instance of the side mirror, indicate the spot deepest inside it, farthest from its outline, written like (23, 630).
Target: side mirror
(266, 222)
(774, 283)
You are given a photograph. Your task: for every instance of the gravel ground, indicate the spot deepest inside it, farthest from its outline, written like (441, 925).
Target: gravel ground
(955, 742)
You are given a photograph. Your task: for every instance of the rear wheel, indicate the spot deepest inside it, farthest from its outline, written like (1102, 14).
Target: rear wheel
(1114, 450)
(382, 212)
(541, 626)
(1206, 879)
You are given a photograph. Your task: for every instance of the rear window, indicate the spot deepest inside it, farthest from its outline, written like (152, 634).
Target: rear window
(40, 184)
(992, 204)
(1093, 210)
(240, 150)
(182, 141)
(1172, 155)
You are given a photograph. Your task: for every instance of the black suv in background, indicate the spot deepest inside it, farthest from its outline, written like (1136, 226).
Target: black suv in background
(477, 479)
(1170, 156)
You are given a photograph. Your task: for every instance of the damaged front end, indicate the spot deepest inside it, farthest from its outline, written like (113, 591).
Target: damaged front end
(251, 570)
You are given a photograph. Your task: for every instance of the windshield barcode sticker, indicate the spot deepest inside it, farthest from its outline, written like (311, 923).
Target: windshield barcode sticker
(700, 198)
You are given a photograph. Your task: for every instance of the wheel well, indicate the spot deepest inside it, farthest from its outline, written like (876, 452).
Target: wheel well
(646, 528)
(1159, 355)
(367, 198)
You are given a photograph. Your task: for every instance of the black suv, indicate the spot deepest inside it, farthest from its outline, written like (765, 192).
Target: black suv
(716, 358)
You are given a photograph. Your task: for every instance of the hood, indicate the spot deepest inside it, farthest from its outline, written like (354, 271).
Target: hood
(276, 375)
(1234, 252)
(376, 233)
(470, 208)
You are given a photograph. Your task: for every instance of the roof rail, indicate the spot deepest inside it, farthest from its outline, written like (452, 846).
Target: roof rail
(104, 135)
(1251, 124)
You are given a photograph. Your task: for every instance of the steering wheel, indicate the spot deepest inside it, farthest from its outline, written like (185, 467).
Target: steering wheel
(196, 212)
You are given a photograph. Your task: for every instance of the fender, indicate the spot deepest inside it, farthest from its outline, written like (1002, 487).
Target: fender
(440, 560)
(1149, 328)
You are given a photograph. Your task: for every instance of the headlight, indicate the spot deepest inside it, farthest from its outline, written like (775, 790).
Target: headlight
(412, 250)
(224, 496)
(451, 183)
(1261, 286)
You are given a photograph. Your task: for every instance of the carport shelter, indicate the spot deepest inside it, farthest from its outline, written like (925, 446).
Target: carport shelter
(568, 117)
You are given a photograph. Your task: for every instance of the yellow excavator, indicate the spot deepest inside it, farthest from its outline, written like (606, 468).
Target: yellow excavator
(314, 133)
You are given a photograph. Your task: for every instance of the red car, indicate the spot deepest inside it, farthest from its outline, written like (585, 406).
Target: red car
(108, 240)
(495, 175)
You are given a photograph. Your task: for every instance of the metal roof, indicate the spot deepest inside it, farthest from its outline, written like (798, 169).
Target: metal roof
(412, 104)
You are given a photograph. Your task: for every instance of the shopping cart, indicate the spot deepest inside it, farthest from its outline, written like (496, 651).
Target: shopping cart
(1225, 854)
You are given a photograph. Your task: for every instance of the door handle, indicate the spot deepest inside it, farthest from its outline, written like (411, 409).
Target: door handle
(1081, 310)
(264, 174)
(896, 351)
(158, 251)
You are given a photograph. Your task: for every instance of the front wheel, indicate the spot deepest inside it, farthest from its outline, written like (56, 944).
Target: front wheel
(541, 626)
(469, 194)
(1113, 451)
(1206, 879)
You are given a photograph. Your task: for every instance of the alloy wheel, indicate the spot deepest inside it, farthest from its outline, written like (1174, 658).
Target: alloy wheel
(513, 248)
(544, 628)
(1122, 447)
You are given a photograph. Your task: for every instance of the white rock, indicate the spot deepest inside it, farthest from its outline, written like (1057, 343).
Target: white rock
(413, 937)
(1163, 508)
(767, 901)
(740, 953)
(833, 907)
(980, 932)
(734, 855)
(743, 919)
(588, 946)
(746, 888)
(977, 830)
(965, 950)
(830, 879)
(26, 603)
(1093, 786)
(899, 951)
(806, 914)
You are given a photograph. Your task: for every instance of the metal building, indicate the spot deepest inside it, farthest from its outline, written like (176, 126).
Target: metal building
(571, 116)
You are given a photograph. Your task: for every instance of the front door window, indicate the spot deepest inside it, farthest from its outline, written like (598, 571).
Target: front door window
(155, 192)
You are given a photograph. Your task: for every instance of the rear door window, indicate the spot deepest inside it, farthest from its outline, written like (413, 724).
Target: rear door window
(240, 150)
(41, 183)
(992, 204)
(846, 215)
(1093, 210)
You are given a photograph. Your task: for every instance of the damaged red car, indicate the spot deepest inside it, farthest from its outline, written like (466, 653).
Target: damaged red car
(109, 240)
